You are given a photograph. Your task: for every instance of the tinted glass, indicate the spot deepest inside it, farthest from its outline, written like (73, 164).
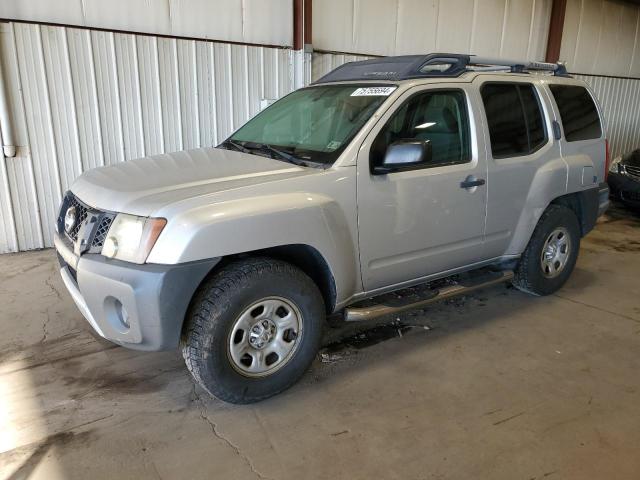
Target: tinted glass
(505, 118)
(579, 115)
(514, 117)
(533, 116)
(438, 117)
(314, 123)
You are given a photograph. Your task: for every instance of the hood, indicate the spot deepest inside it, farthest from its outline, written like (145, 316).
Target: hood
(142, 186)
(632, 158)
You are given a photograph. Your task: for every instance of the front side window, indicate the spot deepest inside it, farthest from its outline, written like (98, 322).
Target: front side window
(312, 125)
(578, 113)
(439, 117)
(514, 118)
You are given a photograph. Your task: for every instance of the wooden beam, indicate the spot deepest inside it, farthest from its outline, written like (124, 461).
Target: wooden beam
(308, 23)
(556, 25)
(298, 24)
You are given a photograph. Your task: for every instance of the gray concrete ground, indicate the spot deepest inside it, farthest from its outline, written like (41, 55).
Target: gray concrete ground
(499, 385)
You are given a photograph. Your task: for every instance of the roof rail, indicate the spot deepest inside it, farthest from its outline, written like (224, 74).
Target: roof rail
(406, 67)
(518, 66)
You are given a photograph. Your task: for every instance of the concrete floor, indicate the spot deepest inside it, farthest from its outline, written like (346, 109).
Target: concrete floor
(499, 385)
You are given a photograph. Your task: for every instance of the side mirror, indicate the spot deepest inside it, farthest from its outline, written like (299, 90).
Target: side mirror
(405, 155)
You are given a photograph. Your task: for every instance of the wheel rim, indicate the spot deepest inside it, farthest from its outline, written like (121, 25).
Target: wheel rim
(555, 252)
(264, 337)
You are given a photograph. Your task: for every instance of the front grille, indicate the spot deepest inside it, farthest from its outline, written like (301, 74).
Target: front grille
(101, 232)
(91, 224)
(633, 171)
(633, 196)
(81, 217)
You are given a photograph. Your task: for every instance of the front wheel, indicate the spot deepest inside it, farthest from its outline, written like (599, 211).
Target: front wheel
(253, 329)
(551, 254)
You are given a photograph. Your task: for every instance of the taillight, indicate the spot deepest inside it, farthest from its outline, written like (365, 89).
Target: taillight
(607, 161)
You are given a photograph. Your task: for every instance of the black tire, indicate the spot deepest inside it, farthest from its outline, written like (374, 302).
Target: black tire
(217, 305)
(529, 274)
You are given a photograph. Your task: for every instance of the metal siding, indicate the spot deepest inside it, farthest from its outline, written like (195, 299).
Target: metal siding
(620, 102)
(21, 208)
(170, 94)
(150, 99)
(83, 79)
(108, 96)
(323, 63)
(254, 21)
(207, 95)
(503, 28)
(35, 89)
(602, 37)
(126, 55)
(83, 99)
(223, 90)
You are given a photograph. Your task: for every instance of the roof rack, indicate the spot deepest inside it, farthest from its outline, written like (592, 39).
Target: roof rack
(405, 67)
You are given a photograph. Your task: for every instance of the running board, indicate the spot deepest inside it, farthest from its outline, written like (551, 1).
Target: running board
(356, 314)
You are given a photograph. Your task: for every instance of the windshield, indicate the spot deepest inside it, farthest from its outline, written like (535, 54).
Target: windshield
(311, 125)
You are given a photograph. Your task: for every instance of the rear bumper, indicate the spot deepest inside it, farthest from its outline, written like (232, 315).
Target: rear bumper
(137, 306)
(603, 198)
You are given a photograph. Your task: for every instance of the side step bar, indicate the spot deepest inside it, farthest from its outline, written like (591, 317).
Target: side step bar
(356, 314)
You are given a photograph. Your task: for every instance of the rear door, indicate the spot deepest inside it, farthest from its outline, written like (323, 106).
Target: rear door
(520, 147)
(416, 223)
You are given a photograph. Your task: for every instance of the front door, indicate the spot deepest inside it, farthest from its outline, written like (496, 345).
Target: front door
(416, 223)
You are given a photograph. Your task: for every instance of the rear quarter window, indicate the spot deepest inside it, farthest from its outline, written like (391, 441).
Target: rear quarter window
(578, 112)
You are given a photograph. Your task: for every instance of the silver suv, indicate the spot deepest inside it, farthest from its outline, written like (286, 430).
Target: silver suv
(382, 176)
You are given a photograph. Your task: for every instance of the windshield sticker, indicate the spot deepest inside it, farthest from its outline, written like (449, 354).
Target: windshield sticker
(373, 91)
(333, 145)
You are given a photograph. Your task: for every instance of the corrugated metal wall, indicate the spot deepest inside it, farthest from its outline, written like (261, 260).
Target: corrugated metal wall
(250, 21)
(602, 37)
(505, 28)
(323, 63)
(84, 98)
(620, 100)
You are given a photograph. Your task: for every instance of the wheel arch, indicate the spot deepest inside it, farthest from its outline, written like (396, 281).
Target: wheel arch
(306, 258)
(584, 205)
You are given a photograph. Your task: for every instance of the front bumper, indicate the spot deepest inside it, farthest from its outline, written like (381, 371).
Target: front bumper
(137, 306)
(625, 188)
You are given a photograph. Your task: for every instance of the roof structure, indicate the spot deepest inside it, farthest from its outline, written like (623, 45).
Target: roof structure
(433, 65)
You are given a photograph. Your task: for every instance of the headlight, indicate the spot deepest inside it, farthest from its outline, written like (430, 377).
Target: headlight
(131, 238)
(615, 166)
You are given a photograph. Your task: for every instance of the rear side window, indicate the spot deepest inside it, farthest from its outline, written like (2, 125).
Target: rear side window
(514, 117)
(579, 114)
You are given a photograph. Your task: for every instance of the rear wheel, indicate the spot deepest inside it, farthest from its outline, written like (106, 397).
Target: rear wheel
(551, 254)
(253, 329)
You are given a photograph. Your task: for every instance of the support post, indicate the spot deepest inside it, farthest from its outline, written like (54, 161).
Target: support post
(556, 25)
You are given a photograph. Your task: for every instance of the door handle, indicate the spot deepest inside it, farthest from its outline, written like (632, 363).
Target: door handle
(471, 182)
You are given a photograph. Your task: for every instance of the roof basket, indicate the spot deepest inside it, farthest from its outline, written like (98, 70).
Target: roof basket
(406, 67)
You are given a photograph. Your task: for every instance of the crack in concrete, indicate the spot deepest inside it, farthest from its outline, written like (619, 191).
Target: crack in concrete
(603, 310)
(49, 284)
(45, 334)
(218, 435)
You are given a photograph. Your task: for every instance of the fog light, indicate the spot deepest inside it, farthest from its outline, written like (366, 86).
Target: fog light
(117, 315)
(122, 313)
(110, 247)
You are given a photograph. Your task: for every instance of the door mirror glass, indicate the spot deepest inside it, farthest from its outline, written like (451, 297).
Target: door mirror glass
(405, 155)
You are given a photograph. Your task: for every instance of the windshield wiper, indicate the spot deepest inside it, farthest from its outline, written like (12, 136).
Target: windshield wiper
(288, 157)
(236, 146)
(266, 149)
